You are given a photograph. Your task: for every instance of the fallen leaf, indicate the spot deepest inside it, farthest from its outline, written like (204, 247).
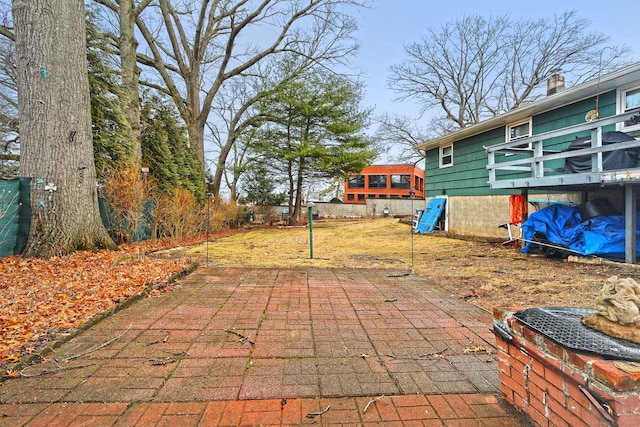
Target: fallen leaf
(39, 299)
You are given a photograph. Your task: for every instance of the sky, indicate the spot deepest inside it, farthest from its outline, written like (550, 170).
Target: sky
(385, 28)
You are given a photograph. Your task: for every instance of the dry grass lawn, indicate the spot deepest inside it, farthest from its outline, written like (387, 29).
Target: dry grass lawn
(482, 273)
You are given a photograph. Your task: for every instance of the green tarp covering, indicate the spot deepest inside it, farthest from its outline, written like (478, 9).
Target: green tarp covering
(15, 215)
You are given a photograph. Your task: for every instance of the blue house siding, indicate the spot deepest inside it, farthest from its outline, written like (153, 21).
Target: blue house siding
(574, 114)
(476, 206)
(469, 177)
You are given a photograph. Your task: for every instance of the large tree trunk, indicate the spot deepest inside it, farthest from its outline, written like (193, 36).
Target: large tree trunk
(221, 165)
(198, 121)
(292, 218)
(55, 127)
(130, 78)
(299, 179)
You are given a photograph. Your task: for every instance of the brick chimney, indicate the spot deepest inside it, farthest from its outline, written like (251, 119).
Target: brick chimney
(555, 84)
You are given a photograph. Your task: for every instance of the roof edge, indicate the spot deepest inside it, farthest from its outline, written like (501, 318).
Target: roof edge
(577, 93)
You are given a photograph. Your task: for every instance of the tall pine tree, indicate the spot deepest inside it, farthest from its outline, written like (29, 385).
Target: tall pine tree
(111, 145)
(166, 151)
(314, 128)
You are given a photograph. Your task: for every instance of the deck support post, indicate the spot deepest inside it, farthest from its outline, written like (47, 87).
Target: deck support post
(630, 194)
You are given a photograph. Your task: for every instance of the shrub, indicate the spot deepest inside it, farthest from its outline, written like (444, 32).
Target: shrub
(127, 194)
(177, 215)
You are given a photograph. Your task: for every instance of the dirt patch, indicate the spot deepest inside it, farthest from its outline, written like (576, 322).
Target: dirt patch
(485, 274)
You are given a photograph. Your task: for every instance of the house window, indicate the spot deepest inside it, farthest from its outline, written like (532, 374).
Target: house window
(350, 197)
(356, 181)
(629, 99)
(360, 197)
(377, 181)
(519, 130)
(446, 156)
(400, 181)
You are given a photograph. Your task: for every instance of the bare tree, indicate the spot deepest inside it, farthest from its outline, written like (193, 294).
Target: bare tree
(402, 133)
(55, 127)
(234, 116)
(539, 49)
(475, 68)
(196, 46)
(238, 162)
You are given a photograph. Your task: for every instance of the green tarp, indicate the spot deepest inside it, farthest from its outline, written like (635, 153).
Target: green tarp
(15, 215)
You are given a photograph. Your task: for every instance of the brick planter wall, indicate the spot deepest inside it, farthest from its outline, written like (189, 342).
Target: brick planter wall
(557, 386)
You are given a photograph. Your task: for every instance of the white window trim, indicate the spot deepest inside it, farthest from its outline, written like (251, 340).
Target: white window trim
(440, 156)
(507, 137)
(620, 107)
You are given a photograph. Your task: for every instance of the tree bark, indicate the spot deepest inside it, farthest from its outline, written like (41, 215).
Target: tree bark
(55, 128)
(299, 179)
(130, 77)
(129, 96)
(221, 165)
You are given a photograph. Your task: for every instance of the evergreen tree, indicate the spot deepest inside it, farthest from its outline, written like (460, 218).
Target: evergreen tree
(314, 129)
(108, 122)
(166, 151)
(260, 188)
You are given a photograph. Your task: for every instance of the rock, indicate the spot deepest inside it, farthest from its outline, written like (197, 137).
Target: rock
(619, 300)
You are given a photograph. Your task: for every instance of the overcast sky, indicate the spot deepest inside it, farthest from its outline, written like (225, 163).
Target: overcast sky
(390, 24)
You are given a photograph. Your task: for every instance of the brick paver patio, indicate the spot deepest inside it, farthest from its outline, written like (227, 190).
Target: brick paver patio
(242, 346)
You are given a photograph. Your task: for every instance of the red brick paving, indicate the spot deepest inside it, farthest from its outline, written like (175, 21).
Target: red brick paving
(345, 340)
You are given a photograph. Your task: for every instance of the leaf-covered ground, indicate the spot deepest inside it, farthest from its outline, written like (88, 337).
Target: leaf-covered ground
(42, 299)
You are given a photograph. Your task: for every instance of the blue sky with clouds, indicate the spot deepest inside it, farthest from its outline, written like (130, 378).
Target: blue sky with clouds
(390, 24)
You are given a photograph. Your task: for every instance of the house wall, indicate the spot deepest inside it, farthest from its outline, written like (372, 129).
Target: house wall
(474, 208)
(574, 114)
(468, 176)
(481, 216)
(478, 215)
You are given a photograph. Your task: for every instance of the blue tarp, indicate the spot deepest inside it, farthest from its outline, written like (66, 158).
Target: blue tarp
(431, 215)
(563, 226)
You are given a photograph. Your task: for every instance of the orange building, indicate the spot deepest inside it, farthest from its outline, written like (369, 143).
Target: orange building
(384, 182)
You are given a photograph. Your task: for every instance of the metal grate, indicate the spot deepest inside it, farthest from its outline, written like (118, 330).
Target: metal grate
(562, 324)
